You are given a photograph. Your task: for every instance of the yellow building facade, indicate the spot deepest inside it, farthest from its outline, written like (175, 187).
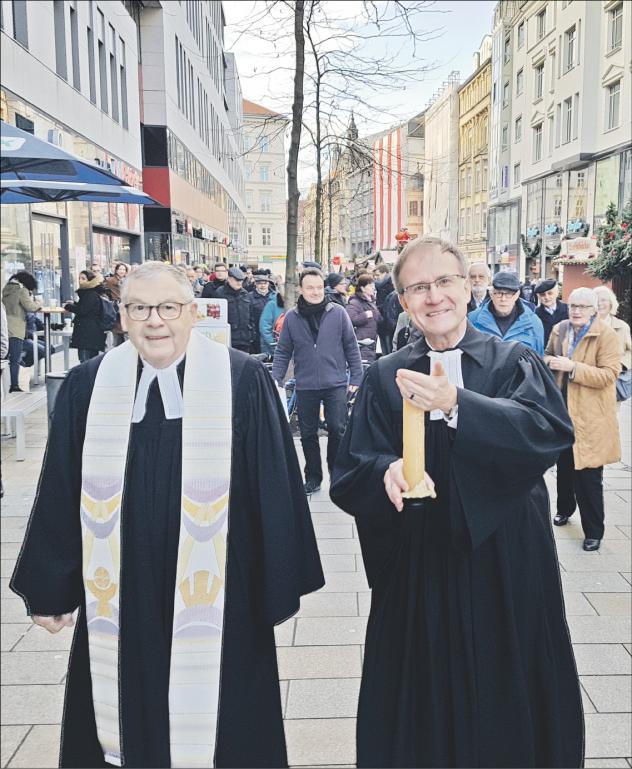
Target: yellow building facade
(474, 107)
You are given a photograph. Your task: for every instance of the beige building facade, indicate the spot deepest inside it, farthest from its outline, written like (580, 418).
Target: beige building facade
(474, 106)
(266, 198)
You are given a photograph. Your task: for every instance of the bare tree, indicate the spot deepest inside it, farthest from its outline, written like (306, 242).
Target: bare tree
(292, 166)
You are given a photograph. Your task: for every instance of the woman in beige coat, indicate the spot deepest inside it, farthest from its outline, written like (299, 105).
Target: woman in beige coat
(584, 354)
(607, 310)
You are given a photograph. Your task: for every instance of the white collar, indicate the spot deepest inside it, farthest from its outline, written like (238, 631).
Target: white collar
(170, 391)
(451, 362)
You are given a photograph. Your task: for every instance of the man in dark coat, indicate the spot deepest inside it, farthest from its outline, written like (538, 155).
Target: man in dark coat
(389, 313)
(336, 288)
(468, 660)
(549, 309)
(239, 310)
(154, 448)
(258, 300)
(479, 277)
(221, 273)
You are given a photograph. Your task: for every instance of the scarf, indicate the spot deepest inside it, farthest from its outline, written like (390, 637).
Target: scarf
(575, 337)
(201, 567)
(308, 310)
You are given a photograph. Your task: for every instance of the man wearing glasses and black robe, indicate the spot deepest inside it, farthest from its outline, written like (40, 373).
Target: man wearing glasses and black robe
(468, 660)
(171, 513)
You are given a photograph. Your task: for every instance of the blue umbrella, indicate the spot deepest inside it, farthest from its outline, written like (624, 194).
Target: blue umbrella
(32, 171)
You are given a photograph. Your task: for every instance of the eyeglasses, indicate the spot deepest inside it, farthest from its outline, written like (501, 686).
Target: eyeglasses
(165, 310)
(502, 294)
(580, 307)
(443, 284)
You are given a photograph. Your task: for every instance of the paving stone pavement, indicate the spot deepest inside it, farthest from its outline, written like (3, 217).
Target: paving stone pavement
(320, 650)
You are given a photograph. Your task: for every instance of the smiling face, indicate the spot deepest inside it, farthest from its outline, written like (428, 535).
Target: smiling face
(221, 272)
(440, 313)
(548, 298)
(160, 342)
(312, 289)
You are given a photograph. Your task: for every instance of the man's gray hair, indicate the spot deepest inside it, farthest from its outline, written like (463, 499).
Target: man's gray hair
(415, 248)
(584, 295)
(483, 265)
(150, 270)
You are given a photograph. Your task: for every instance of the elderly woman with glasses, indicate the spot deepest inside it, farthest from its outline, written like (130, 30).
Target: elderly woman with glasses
(584, 354)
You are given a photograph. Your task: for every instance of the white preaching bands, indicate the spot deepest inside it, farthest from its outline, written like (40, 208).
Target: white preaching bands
(170, 391)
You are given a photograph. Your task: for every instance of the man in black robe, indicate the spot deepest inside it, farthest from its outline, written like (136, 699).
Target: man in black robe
(271, 558)
(468, 660)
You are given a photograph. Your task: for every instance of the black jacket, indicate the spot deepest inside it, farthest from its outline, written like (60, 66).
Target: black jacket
(549, 320)
(87, 333)
(258, 303)
(336, 296)
(239, 316)
(208, 292)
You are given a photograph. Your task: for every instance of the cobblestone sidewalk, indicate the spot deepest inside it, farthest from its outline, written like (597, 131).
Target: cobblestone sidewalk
(320, 650)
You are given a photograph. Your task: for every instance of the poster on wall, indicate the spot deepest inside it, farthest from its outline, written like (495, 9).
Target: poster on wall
(212, 319)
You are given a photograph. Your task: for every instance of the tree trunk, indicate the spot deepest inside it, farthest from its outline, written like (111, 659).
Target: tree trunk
(319, 177)
(291, 281)
(329, 225)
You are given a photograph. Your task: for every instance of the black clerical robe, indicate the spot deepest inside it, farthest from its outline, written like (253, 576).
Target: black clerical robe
(468, 660)
(272, 560)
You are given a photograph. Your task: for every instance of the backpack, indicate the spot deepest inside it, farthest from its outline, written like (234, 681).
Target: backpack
(278, 325)
(109, 316)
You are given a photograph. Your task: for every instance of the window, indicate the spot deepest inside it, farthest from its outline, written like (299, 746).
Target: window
(613, 99)
(114, 75)
(123, 74)
(540, 24)
(248, 171)
(518, 129)
(74, 45)
(484, 173)
(516, 173)
(20, 23)
(558, 123)
(413, 208)
(539, 80)
(570, 48)
(462, 185)
(520, 82)
(477, 178)
(551, 134)
(476, 222)
(575, 116)
(264, 173)
(249, 236)
(520, 35)
(462, 223)
(484, 218)
(567, 120)
(264, 144)
(506, 94)
(468, 181)
(507, 49)
(103, 77)
(468, 222)
(615, 27)
(537, 143)
(91, 71)
(266, 236)
(265, 202)
(505, 137)
(60, 39)
(249, 200)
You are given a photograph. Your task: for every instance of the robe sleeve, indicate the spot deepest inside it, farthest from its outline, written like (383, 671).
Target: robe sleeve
(289, 559)
(504, 444)
(368, 447)
(48, 573)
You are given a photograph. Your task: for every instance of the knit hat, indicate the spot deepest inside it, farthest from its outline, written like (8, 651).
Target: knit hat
(334, 279)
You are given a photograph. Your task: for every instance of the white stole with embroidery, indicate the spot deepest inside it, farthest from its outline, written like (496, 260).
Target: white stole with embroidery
(201, 568)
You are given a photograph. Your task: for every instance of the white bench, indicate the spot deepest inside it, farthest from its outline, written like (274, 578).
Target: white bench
(16, 406)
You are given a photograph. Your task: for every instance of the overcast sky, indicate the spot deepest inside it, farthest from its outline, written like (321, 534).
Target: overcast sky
(458, 28)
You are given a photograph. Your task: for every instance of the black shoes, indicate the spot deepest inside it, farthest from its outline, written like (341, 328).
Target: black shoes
(15, 389)
(590, 545)
(311, 487)
(561, 520)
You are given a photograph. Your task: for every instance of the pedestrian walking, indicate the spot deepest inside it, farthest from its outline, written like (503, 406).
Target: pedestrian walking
(466, 640)
(336, 288)
(273, 312)
(507, 316)
(239, 310)
(480, 278)
(319, 336)
(550, 310)
(220, 273)
(173, 658)
(17, 298)
(585, 354)
(365, 317)
(88, 336)
(113, 285)
(259, 299)
(388, 305)
(607, 309)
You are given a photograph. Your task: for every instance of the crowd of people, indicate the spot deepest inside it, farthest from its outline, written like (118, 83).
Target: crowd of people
(466, 640)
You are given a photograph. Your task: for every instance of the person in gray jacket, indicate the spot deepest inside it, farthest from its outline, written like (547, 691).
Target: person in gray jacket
(319, 336)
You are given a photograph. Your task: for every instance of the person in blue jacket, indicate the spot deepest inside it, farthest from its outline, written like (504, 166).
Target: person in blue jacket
(271, 313)
(507, 316)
